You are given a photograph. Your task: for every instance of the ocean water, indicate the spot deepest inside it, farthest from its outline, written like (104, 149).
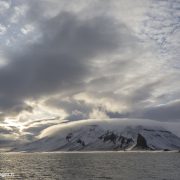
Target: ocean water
(91, 166)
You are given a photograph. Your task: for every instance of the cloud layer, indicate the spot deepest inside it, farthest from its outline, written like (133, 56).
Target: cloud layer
(81, 60)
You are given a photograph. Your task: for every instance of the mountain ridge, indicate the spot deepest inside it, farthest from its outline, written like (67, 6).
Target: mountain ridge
(98, 136)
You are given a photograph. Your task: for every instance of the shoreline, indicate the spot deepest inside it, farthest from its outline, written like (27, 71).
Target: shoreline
(86, 152)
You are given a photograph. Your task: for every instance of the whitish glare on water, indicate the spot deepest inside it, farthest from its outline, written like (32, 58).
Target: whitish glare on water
(91, 166)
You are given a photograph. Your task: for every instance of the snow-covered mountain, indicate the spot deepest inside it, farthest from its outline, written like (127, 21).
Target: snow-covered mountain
(94, 135)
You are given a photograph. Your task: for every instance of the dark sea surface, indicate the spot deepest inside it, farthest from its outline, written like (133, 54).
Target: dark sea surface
(91, 166)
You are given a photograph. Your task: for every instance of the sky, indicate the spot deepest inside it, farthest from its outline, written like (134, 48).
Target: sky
(70, 60)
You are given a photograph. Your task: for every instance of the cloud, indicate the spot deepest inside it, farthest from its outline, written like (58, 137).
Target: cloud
(6, 130)
(78, 60)
(62, 58)
(105, 124)
(2, 29)
(162, 27)
(165, 112)
(8, 136)
(4, 6)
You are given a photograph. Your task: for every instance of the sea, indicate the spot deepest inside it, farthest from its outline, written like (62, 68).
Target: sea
(91, 166)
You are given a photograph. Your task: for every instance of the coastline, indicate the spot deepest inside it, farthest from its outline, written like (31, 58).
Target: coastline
(86, 152)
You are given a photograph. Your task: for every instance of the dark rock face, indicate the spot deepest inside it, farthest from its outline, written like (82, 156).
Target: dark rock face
(119, 141)
(81, 142)
(110, 137)
(166, 150)
(125, 142)
(141, 143)
(69, 136)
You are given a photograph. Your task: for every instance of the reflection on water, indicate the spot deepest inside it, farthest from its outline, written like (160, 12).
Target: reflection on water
(91, 166)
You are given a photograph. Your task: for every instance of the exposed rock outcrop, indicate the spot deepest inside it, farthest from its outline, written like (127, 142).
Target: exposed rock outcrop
(141, 143)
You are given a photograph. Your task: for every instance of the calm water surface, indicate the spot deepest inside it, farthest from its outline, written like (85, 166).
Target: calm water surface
(91, 166)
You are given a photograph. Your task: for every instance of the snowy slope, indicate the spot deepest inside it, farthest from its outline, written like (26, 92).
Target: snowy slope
(104, 135)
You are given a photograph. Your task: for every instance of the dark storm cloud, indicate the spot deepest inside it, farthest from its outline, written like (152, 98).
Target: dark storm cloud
(167, 112)
(140, 95)
(61, 58)
(13, 105)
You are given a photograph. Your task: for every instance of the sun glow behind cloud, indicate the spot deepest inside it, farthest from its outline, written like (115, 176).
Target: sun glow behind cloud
(13, 122)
